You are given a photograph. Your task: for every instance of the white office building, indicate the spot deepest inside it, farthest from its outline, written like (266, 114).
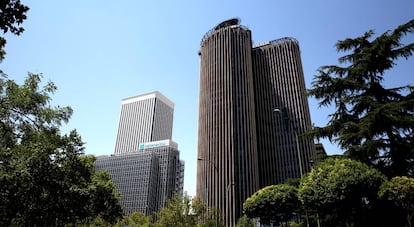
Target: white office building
(144, 118)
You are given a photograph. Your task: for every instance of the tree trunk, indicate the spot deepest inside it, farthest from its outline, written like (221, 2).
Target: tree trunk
(409, 217)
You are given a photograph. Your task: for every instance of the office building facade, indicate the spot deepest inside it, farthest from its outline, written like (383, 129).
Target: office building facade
(282, 112)
(170, 181)
(146, 166)
(144, 118)
(227, 171)
(252, 111)
(135, 176)
(146, 178)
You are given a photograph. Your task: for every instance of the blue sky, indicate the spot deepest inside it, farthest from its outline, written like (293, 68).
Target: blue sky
(98, 52)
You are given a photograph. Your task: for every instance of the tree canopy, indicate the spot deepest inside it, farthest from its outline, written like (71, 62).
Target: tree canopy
(372, 123)
(342, 189)
(186, 212)
(274, 203)
(176, 213)
(136, 219)
(400, 191)
(44, 178)
(245, 221)
(12, 15)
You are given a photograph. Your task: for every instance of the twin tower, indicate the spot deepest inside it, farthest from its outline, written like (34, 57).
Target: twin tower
(252, 114)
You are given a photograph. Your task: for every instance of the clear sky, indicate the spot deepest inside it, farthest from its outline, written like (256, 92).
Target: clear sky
(98, 52)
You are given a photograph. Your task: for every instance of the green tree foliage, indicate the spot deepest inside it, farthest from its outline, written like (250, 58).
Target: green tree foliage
(103, 200)
(272, 203)
(139, 219)
(372, 123)
(44, 179)
(400, 190)
(178, 213)
(12, 15)
(211, 218)
(341, 191)
(136, 219)
(245, 221)
(185, 213)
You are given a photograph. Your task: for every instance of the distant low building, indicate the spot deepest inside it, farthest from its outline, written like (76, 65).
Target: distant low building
(320, 153)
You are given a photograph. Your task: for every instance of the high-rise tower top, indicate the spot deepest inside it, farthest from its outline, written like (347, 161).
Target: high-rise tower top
(154, 94)
(233, 23)
(226, 23)
(277, 41)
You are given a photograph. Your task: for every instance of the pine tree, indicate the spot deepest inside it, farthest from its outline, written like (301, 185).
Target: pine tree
(372, 123)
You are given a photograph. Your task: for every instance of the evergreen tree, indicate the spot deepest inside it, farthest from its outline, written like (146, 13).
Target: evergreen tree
(372, 123)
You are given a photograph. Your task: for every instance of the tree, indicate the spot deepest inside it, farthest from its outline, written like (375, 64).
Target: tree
(139, 219)
(177, 213)
(340, 190)
(184, 212)
(44, 178)
(371, 123)
(12, 15)
(136, 219)
(245, 221)
(400, 190)
(103, 199)
(272, 203)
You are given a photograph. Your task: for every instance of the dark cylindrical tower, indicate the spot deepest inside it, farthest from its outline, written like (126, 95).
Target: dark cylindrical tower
(282, 112)
(227, 169)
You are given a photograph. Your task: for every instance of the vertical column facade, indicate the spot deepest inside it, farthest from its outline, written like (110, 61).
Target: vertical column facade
(144, 118)
(252, 116)
(163, 119)
(282, 112)
(168, 161)
(227, 170)
(146, 178)
(136, 178)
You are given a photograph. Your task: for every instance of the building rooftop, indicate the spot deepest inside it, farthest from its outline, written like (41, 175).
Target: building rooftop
(276, 42)
(234, 22)
(149, 95)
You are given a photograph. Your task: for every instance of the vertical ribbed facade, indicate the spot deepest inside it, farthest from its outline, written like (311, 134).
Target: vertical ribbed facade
(145, 178)
(135, 176)
(179, 182)
(146, 166)
(144, 118)
(282, 112)
(227, 169)
(169, 163)
(253, 111)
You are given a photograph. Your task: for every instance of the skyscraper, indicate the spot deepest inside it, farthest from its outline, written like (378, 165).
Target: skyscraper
(144, 118)
(227, 168)
(282, 112)
(253, 110)
(146, 166)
